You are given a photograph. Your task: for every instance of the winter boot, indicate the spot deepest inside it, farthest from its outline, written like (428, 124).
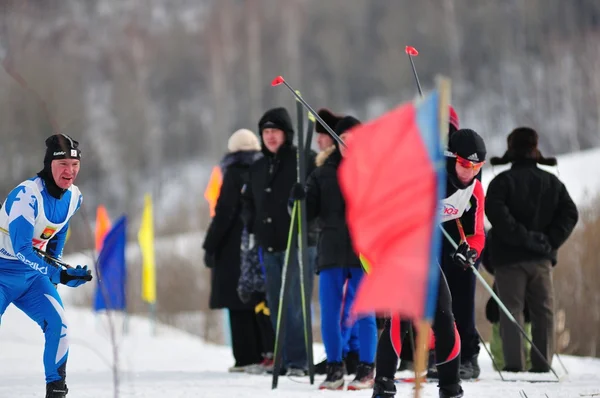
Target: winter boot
(475, 367)
(465, 370)
(365, 377)
(56, 389)
(384, 388)
(351, 362)
(451, 391)
(335, 377)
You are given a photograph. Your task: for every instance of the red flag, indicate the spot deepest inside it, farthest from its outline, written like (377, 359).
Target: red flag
(392, 178)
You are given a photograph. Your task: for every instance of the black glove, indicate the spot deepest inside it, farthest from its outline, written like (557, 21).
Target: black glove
(538, 243)
(297, 192)
(209, 259)
(464, 256)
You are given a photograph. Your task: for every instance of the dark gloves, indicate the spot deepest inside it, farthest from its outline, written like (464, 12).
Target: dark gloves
(297, 192)
(71, 277)
(538, 243)
(464, 256)
(209, 259)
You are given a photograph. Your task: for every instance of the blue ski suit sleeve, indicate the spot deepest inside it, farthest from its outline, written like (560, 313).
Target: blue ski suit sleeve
(22, 209)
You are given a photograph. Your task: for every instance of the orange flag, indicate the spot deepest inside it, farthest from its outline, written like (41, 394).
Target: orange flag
(103, 225)
(211, 194)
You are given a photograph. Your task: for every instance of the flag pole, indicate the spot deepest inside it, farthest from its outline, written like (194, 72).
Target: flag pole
(424, 325)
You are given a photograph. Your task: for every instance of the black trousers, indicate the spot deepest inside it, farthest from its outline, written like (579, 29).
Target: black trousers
(252, 336)
(447, 342)
(462, 288)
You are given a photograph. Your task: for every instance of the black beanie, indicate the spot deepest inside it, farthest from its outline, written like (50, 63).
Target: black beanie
(61, 146)
(329, 118)
(467, 144)
(345, 124)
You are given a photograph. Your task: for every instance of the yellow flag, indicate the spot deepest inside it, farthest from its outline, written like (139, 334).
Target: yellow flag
(146, 241)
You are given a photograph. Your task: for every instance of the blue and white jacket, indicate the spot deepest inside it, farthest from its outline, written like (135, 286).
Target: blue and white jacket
(30, 217)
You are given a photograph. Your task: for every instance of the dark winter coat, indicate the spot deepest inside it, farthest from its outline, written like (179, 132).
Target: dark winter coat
(267, 194)
(531, 213)
(223, 238)
(324, 201)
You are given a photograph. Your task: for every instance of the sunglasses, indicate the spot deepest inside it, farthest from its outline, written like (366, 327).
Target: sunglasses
(466, 163)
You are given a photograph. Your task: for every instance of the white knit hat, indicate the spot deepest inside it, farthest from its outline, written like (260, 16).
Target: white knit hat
(243, 140)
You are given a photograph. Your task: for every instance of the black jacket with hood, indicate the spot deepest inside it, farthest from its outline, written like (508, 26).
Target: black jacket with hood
(267, 192)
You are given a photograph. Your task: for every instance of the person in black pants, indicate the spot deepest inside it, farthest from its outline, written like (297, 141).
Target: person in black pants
(222, 252)
(461, 210)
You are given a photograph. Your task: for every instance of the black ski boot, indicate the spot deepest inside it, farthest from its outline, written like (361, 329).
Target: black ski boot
(475, 367)
(451, 391)
(365, 375)
(56, 389)
(335, 377)
(384, 388)
(321, 367)
(465, 370)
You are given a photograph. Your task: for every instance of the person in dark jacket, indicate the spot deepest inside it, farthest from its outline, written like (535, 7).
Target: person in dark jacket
(337, 264)
(349, 334)
(267, 217)
(222, 252)
(532, 215)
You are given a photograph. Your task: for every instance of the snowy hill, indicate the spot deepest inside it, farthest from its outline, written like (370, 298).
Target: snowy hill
(176, 365)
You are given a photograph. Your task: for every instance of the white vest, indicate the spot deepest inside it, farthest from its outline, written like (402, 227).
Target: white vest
(455, 205)
(43, 229)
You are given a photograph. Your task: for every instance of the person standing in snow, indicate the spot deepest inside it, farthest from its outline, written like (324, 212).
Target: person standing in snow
(35, 216)
(350, 341)
(267, 217)
(532, 215)
(222, 254)
(338, 265)
(463, 204)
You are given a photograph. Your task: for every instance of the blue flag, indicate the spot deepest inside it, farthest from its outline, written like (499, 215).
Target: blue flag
(112, 271)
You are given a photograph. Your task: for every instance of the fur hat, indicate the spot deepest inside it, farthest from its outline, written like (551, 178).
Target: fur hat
(328, 117)
(522, 144)
(243, 140)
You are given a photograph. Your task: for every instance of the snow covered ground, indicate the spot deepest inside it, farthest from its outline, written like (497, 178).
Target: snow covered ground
(175, 365)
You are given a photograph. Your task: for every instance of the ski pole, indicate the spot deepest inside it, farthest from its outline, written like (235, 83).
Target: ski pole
(283, 293)
(280, 80)
(500, 303)
(412, 52)
(490, 355)
(303, 264)
(463, 238)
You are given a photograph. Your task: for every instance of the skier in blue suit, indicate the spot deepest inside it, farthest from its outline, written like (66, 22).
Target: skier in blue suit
(35, 216)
